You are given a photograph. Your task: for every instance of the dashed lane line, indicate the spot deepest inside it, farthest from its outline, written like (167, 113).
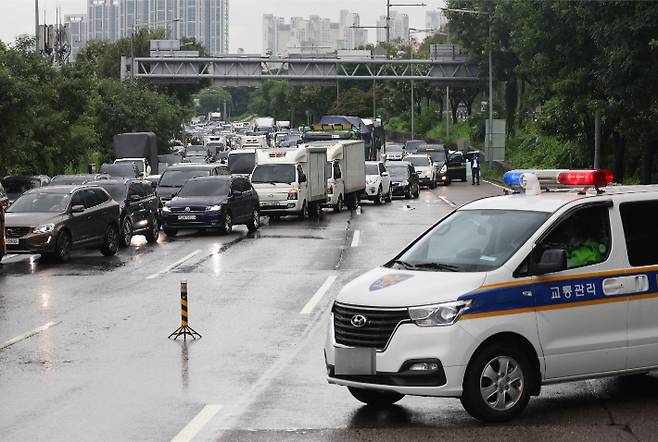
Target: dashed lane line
(173, 266)
(195, 426)
(319, 294)
(355, 238)
(447, 201)
(34, 331)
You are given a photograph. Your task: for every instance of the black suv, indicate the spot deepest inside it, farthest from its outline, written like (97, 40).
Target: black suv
(212, 203)
(15, 186)
(404, 179)
(4, 202)
(53, 220)
(139, 208)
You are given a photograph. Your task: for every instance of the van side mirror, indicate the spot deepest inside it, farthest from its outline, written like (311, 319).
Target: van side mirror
(302, 178)
(78, 208)
(551, 261)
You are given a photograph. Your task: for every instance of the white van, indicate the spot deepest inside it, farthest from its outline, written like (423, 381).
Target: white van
(507, 294)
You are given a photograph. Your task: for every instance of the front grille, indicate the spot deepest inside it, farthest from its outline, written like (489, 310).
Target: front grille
(380, 325)
(17, 232)
(192, 209)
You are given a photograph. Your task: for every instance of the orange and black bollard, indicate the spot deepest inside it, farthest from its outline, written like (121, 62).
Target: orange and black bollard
(184, 330)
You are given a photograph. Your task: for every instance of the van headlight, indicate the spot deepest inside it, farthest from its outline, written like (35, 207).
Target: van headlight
(44, 228)
(444, 169)
(438, 315)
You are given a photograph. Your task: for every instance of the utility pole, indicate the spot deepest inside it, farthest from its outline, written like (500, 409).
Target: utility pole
(447, 111)
(490, 143)
(413, 132)
(390, 5)
(374, 102)
(36, 25)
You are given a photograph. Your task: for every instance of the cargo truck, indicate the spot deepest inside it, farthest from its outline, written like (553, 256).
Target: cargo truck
(139, 148)
(291, 181)
(345, 171)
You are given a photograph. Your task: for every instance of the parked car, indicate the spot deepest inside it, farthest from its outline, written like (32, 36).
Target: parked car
(216, 202)
(394, 152)
(457, 166)
(138, 208)
(424, 168)
(81, 178)
(15, 186)
(404, 179)
(53, 220)
(174, 177)
(378, 183)
(411, 146)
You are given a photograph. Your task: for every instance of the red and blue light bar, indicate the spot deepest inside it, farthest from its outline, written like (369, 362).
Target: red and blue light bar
(561, 177)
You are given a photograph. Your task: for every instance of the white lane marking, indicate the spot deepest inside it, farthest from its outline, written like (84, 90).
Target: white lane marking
(196, 425)
(358, 210)
(447, 201)
(355, 238)
(10, 256)
(29, 334)
(498, 185)
(174, 265)
(310, 305)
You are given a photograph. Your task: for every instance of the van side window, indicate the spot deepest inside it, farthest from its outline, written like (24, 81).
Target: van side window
(639, 221)
(584, 235)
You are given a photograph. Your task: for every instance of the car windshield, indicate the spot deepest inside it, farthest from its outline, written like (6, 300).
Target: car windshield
(214, 187)
(412, 146)
(138, 164)
(438, 156)
(393, 148)
(67, 180)
(398, 172)
(217, 147)
(17, 185)
(242, 163)
(195, 151)
(418, 161)
(40, 202)
(472, 241)
(274, 173)
(372, 169)
(176, 178)
(118, 191)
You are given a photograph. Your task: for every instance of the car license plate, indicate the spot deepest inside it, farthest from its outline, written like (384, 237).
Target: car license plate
(186, 217)
(12, 241)
(354, 361)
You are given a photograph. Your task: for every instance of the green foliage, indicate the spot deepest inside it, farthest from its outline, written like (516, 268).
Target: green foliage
(532, 149)
(282, 101)
(212, 99)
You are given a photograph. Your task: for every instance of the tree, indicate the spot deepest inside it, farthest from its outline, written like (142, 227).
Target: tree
(213, 99)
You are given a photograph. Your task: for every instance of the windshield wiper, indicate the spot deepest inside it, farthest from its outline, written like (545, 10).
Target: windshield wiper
(404, 264)
(437, 266)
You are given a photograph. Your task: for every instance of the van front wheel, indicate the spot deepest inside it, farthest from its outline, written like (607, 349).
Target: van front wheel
(375, 398)
(497, 383)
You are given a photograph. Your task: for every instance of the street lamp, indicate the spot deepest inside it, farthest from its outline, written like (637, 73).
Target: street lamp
(490, 135)
(390, 5)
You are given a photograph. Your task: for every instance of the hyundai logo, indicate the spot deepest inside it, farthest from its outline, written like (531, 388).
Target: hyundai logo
(359, 321)
(187, 209)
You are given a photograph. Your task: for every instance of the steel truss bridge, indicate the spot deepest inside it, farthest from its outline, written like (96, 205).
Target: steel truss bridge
(252, 71)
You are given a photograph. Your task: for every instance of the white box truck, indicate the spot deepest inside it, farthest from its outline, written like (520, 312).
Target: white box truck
(345, 172)
(291, 181)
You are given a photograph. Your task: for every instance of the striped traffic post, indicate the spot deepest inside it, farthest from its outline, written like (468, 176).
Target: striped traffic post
(184, 330)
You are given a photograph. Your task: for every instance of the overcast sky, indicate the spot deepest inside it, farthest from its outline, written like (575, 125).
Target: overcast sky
(17, 16)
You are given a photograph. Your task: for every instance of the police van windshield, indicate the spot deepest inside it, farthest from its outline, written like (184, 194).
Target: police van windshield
(472, 241)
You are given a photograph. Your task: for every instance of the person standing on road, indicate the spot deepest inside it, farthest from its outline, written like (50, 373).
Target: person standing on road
(475, 169)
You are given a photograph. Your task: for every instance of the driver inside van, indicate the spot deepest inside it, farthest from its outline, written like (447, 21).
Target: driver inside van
(584, 238)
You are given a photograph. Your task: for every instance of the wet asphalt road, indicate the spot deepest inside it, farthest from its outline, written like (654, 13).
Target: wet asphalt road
(105, 370)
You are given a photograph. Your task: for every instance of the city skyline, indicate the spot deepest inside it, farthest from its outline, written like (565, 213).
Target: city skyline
(245, 16)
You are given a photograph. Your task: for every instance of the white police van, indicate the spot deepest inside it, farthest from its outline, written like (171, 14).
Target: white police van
(507, 294)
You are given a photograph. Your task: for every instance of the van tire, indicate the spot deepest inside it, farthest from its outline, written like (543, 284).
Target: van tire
(126, 232)
(338, 207)
(154, 231)
(486, 367)
(302, 214)
(379, 198)
(254, 223)
(375, 398)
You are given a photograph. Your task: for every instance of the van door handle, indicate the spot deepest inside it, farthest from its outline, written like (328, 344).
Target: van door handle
(527, 293)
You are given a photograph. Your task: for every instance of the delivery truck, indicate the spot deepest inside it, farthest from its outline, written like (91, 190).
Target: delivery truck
(291, 181)
(139, 148)
(345, 171)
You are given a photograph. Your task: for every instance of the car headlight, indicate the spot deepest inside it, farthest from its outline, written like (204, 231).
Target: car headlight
(404, 183)
(166, 209)
(444, 169)
(293, 194)
(215, 208)
(439, 315)
(44, 228)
